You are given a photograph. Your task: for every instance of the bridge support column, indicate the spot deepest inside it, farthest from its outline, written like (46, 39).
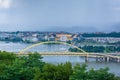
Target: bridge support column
(97, 59)
(111, 59)
(118, 60)
(100, 59)
(107, 59)
(86, 58)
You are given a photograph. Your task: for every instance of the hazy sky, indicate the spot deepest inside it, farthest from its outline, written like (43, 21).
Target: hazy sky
(60, 15)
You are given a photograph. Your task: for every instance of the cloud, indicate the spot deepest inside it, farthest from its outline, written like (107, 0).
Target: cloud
(5, 3)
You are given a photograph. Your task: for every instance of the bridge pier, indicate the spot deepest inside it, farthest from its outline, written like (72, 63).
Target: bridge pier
(98, 59)
(107, 59)
(102, 59)
(115, 60)
(111, 59)
(86, 59)
(118, 60)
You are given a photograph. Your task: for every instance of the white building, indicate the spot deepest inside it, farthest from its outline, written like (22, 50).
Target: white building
(63, 38)
(46, 37)
(30, 39)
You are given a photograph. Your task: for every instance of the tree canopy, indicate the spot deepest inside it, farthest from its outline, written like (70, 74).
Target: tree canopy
(31, 67)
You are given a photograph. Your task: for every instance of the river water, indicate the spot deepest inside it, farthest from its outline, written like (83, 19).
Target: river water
(16, 47)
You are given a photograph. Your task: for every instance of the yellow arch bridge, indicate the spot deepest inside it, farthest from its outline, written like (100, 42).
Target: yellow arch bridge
(98, 56)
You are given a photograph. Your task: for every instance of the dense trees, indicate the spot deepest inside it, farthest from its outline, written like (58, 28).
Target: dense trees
(112, 34)
(80, 73)
(32, 67)
(15, 39)
(100, 49)
(55, 72)
(21, 68)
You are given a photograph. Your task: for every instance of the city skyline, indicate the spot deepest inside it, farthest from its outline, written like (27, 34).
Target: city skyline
(60, 15)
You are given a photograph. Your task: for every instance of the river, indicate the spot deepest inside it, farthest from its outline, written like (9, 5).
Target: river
(16, 47)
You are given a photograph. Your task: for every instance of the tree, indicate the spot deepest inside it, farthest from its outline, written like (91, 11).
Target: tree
(7, 57)
(21, 68)
(79, 72)
(101, 74)
(55, 72)
(32, 67)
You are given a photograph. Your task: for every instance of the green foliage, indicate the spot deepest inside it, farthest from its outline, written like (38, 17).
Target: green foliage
(74, 50)
(101, 74)
(112, 34)
(15, 39)
(22, 68)
(6, 57)
(32, 67)
(69, 42)
(55, 72)
(79, 72)
(100, 49)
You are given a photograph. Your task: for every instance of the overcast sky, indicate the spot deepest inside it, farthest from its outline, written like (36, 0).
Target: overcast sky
(60, 15)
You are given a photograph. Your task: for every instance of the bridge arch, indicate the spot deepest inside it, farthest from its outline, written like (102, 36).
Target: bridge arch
(86, 53)
(37, 44)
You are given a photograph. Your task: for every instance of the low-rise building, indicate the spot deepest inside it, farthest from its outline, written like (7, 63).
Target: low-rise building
(51, 38)
(63, 37)
(77, 37)
(30, 39)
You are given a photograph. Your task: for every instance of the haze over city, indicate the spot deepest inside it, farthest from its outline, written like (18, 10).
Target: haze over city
(60, 15)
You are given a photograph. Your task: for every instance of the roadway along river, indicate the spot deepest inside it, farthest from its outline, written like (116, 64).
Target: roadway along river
(16, 47)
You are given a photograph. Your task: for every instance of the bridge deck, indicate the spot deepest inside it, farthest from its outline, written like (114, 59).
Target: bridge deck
(76, 54)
